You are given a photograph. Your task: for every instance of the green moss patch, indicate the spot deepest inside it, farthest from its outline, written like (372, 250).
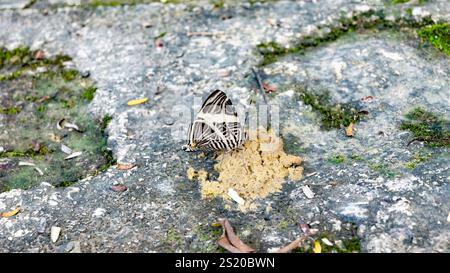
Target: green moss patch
(41, 93)
(370, 20)
(418, 158)
(333, 115)
(438, 35)
(428, 127)
(383, 169)
(336, 159)
(399, 1)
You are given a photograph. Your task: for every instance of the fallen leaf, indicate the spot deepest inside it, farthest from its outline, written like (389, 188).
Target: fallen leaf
(327, 242)
(235, 196)
(367, 98)
(268, 88)
(125, 166)
(66, 149)
(137, 101)
(349, 130)
(65, 124)
(119, 188)
(24, 163)
(60, 124)
(9, 213)
(231, 238)
(305, 228)
(293, 245)
(39, 55)
(73, 155)
(225, 243)
(41, 173)
(317, 247)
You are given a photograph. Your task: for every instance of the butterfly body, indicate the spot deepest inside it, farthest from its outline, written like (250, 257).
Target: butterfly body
(216, 126)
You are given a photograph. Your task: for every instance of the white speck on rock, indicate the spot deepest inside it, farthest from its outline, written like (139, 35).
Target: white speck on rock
(391, 55)
(54, 233)
(72, 190)
(402, 206)
(355, 210)
(402, 184)
(19, 233)
(99, 212)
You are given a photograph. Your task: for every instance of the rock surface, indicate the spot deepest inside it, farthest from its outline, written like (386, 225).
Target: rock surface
(174, 54)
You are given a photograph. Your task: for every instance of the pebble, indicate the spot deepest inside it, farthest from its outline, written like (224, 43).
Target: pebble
(54, 233)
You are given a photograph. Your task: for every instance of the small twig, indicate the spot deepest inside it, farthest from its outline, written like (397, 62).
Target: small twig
(203, 33)
(260, 85)
(263, 93)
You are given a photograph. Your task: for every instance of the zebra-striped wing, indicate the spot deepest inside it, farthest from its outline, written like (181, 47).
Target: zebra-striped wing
(217, 126)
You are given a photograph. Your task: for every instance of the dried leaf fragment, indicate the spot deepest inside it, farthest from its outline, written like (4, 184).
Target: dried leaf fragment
(119, 188)
(317, 247)
(73, 155)
(235, 196)
(349, 130)
(66, 149)
(225, 243)
(10, 213)
(230, 241)
(24, 163)
(268, 88)
(125, 166)
(39, 55)
(63, 123)
(308, 192)
(327, 242)
(137, 101)
(291, 246)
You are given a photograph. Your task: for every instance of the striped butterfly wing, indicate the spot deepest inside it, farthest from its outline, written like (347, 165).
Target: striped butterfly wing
(217, 126)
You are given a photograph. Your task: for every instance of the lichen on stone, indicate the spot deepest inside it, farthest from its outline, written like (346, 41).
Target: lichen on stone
(254, 171)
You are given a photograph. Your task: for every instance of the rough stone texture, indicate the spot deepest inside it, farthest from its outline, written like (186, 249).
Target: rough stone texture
(162, 210)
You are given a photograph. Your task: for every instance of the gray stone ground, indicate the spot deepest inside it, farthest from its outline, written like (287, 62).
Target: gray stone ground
(162, 210)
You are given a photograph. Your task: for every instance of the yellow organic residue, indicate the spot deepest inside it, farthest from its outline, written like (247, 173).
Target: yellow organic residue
(191, 173)
(254, 171)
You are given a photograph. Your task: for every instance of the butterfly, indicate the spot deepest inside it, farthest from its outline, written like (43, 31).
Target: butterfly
(216, 126)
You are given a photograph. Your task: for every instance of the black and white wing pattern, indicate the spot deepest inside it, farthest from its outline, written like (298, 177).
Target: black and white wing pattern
(216, 126)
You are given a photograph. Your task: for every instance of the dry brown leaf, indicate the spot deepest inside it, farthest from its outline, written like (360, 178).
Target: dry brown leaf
(225, 243)
(293, 245)
(268, 88)
(125, 166)
(232, 238)
(367, 98)
(73, 155)
(10, 213)
(119, 188)
(349, 130)
(39, 55)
